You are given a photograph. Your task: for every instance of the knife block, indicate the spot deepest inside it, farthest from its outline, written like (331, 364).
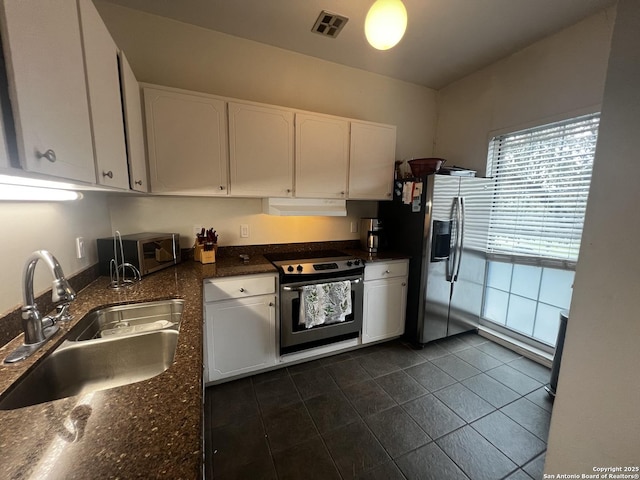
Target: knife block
(204, 256)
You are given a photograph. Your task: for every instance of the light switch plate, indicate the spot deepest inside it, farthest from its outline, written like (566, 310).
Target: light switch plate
(244, 230)
(80, 253)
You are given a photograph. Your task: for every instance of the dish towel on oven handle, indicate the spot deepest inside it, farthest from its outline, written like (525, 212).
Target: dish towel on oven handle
(325, 303)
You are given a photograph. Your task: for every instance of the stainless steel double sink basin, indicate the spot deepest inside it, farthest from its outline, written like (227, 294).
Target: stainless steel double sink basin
(107, 348)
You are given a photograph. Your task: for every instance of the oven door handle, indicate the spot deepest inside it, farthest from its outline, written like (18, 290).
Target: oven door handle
(299, 289)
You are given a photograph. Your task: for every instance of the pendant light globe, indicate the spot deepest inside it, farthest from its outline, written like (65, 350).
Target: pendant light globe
(385, 24)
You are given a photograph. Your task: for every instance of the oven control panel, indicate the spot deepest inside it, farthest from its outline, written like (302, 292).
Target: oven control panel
(332, 266)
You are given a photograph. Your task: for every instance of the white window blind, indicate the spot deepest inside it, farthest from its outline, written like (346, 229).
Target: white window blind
(540, 186)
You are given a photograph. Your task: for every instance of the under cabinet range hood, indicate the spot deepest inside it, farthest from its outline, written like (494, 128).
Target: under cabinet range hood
(304, 207)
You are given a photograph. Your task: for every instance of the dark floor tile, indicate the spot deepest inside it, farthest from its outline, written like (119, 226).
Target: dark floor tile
(475, 455)
(262, 469)
(238, 444)
(515, 380)
(466, 404)
(313, 382)
(472, 338)
(478, 359)
(331, 359)
(498, 351)
(433, 416)
(533, 369)
(354, 449)
(401, 387)
(268, 376)
(430, 376)
(535, 468)
(288, 426)
(385, 471)
(509, 437)
(368, 397)
(530, 416)
(378, 364)
(429, 463)
(304, 367)
(276, 393)
(361, 352)
(541, 398)
(432, 350)
(457, 368)
(331, 410)
(453, 344)
(347, 372)
(396, 431)
(230, 402)
(309, 460)
(401, 355)
(518, 475)
(491, 390)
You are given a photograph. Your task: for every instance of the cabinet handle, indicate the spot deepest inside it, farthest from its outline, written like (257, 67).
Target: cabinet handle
(388, 194)
(404, 284)
(288, 190)
(138, 182)
(242, 290)
(271, 304)
(222, 187)
(387, 272)
(49, 155)
(108, 174)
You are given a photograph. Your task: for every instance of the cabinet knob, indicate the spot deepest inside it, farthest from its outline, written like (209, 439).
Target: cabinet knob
(49, 155)
(108, 174)
(388, 194)
(404, 284)
(271, 304)
(242, 290)
(138, 182)
(288, 190)
(342, 194)
(222, 187)
(387, 272)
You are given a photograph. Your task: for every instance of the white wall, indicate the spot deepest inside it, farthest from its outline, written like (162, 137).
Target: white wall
(175, 54)
(596, 416)
(50, 226)
(180, 214)
(557, 77)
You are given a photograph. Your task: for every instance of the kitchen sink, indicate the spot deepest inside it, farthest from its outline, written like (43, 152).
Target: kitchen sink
(94, 357)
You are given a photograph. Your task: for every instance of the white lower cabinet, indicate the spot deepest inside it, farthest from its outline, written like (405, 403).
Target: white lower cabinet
(385, 300)
(241, 329)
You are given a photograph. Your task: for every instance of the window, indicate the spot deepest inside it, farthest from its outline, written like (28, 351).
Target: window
(540, 186)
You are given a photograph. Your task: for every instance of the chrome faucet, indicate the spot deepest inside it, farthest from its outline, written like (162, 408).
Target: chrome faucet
(37, 329)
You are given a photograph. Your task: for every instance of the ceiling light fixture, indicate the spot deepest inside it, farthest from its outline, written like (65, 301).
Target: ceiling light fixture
(385, 24)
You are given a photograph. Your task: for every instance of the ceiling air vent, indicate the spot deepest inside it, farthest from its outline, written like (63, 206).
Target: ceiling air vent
(329, 24)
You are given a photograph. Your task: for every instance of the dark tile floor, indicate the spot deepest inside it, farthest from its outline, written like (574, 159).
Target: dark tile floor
(461, 408)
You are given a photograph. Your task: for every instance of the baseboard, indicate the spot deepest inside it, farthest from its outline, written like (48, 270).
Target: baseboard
(532, 353)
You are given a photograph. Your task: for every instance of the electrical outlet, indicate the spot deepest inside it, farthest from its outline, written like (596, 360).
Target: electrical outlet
(80, 253)
(244, 230)
(354, 227)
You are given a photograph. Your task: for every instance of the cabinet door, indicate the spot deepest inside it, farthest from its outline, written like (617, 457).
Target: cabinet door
(132, 107)
(241, 336)
(322, 156)
(187, 142)
(260, 150)
(45, 66)
(384, 309)
(371, 161)
(107, 125)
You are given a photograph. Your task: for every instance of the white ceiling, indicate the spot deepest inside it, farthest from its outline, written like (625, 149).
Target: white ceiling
(445, 39)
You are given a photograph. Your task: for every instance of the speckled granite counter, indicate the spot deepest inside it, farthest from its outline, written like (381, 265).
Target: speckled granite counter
(149, 429)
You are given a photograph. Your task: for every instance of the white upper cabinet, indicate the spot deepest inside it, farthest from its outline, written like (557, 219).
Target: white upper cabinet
(43, 54)
(187, 142)
(261, 142)
(322, 156)
(372, 158)
(101, 63)
(132, 108)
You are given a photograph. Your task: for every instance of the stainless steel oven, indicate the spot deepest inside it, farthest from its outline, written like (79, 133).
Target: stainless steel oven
(298, 270)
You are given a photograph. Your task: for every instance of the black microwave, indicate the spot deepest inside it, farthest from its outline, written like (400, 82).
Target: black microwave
(148, 252)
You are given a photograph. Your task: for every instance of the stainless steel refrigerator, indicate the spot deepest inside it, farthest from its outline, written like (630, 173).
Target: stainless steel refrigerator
(443, 229)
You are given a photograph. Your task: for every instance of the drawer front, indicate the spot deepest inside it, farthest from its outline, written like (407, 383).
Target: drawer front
(382, 270)
(238, 287)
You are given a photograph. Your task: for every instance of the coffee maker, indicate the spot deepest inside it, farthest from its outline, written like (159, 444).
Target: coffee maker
(370, 234)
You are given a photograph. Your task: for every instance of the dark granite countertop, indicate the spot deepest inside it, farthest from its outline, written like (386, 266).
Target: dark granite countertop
(149, 429)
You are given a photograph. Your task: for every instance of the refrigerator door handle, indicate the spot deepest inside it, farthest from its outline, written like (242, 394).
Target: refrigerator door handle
(459, 236)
